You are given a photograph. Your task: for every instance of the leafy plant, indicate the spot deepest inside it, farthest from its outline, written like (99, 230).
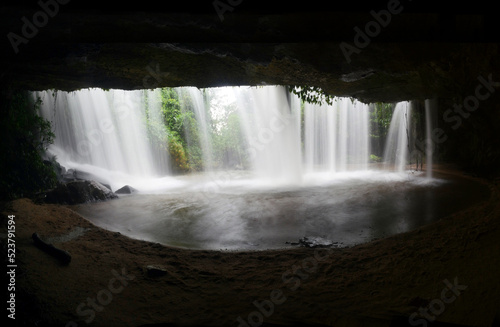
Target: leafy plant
(312, 94)
(374, 158)
(25, 137)
(380, 121)
(178, 157)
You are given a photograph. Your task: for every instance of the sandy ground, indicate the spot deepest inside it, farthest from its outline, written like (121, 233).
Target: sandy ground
(380, 283)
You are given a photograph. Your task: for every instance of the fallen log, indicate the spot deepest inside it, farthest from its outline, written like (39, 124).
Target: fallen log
(63, 256)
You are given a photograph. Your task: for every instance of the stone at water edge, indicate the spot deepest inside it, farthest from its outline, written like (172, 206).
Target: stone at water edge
(317, 242)
(127, 189)
(79, 192)
(72, 175)
(156, 271)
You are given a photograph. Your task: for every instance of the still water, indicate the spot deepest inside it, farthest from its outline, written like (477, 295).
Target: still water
(234, 211)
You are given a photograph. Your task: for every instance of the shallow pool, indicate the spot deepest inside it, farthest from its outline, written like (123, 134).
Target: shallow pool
(234, 212)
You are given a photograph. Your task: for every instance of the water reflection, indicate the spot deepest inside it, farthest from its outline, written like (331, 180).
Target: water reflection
(351, 208)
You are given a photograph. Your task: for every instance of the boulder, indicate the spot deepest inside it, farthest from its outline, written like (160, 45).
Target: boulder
(127, 189)
(76, 192)
(69, 175)
(79, 175)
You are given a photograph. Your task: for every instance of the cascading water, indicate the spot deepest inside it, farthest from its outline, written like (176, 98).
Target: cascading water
(430, 108)
(271, 125)
(290, 169)
(396, 147)
(102, 132)
(201, 114)
(106, 130)
(158, 147)
(336, 136)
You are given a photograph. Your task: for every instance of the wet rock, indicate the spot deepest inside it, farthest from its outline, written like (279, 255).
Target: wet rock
(127, 189)
(69, 175)
(83, 175)
(356, 75)
(317, 242)
(76, 192)
(77, 175)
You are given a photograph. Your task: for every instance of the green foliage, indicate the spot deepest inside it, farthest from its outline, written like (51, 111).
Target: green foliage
(165, 125)
(173, 116)
(177, 154)
(380, 117)
(177, 131)
(25, 136)
(374, 158)
(190, 136)
(174, 129)
(380, 121)
(229, 143)
(312, 94)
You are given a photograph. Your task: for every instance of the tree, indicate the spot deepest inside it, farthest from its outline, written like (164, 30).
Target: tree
(25, 138)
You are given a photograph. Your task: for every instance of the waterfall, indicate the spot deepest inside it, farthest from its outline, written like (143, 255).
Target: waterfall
(282, 139)
(103, 129)
(203, 122)
(396, 147)
(271, 125)
(336, 136)
(430, 107)
(156, 126)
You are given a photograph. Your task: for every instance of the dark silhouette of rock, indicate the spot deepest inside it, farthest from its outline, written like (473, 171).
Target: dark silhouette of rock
(156, 271)
(79, 192)
(63, 256)
(317, 242)
(77, 175)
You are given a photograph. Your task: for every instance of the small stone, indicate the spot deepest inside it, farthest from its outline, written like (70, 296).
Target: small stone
(317, 242)
(127, 189)
(156, 271)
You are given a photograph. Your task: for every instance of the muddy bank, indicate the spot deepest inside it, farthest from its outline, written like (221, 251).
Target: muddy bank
(107, 282)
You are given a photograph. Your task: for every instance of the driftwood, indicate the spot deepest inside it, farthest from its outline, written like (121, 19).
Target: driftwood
(63, 256)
